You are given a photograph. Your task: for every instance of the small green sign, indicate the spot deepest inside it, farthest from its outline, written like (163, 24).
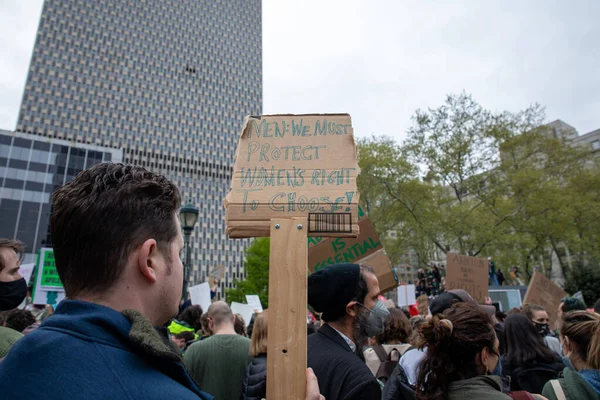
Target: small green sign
(50, 278)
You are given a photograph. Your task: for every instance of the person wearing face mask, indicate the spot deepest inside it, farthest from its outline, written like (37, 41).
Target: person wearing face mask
(580, 339)
(540, 319)
(462, 350)
(347, 297)
(13, 288)
(528, 362)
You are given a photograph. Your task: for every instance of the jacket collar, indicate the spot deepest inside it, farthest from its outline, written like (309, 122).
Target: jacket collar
(128, 330)
(490, 381)
(335, 336)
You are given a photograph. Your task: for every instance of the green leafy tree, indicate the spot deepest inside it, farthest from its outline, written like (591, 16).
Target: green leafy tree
(584, 278)
(257, 274)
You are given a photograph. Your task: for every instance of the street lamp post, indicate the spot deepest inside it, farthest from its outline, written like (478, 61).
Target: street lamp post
(188, 215)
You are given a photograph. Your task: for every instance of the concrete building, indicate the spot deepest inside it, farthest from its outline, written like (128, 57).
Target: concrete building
(168, 81)
(31, 168)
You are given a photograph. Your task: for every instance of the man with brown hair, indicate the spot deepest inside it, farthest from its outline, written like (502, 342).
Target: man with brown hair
(117, 240)
(218, 363)
(13, 288)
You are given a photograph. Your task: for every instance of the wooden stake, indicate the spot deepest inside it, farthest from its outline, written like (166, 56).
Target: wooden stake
(286, 350)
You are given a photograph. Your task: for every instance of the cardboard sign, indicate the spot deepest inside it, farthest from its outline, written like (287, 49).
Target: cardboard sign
(423, 305)
(47, 287)
(406, 295)
(216, 274)
(366, 249)
(254, 301)
(295, 166)
(200, 295)
(468, 273)
(245, 310)
(543, 292)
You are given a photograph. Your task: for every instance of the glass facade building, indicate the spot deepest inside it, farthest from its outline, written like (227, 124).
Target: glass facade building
(168, 81)
(31, 168)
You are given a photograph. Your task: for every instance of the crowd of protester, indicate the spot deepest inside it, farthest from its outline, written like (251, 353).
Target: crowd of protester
(116, 336)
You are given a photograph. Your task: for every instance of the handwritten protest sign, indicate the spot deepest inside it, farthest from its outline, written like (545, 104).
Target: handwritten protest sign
(468, 273)
(543, 292)
(366, 249)
(294, 166)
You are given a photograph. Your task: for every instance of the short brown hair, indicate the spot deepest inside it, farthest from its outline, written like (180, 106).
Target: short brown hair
(530, 308)
(397, 328)
(102, 215)
(258, 343)
(16, 245)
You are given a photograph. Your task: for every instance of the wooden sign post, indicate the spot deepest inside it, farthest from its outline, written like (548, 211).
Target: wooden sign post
(294, 177)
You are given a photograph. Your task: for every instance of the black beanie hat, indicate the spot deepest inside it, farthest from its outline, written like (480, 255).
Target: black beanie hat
(332, 288)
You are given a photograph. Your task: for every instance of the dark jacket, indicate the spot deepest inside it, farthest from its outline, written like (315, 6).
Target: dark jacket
(255, 383)
(574, 386)
(341, 373)
(88, 351)
(532, 377)
(485, 387)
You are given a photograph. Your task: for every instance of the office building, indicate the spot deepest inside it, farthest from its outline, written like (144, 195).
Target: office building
(168, 81)
(31, 168)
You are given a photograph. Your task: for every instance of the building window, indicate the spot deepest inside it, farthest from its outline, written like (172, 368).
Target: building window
(596, 145)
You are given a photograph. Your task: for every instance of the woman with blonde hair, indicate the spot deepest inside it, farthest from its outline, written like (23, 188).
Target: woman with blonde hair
(580, 339)
(255, 383)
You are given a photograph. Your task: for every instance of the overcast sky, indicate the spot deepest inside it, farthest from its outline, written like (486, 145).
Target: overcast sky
(381, 60)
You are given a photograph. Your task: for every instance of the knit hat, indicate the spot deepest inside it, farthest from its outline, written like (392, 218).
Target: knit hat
(332, 288)
(445, 301)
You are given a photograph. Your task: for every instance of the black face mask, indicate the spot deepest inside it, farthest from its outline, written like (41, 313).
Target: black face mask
(12, 294)
(543, 329)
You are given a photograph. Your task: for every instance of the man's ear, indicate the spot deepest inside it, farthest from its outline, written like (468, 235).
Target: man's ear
(351, 309)
(147, 260)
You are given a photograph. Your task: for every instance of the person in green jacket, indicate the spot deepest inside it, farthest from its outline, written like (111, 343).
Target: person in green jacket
(580, 339)
(187, 321)
(462, 350)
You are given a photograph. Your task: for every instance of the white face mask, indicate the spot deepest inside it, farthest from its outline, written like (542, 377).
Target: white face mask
(375, 323)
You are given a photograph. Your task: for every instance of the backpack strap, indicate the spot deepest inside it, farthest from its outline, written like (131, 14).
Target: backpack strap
(380, 351)
(558, 390)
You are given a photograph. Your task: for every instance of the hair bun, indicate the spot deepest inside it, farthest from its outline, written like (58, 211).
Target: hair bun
(447, 324)
(436, 332)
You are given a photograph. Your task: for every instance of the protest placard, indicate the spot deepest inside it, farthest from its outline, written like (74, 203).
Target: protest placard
(366, 249)
(406, 295)
(49, 276)
(200, 295)
(254, 301)
(543, 292)
(294, 166)
(245, 310)
(47, 287)
(468, 273)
